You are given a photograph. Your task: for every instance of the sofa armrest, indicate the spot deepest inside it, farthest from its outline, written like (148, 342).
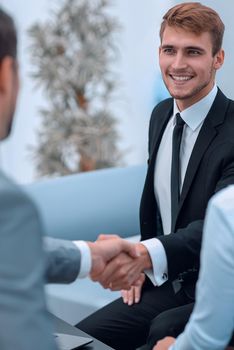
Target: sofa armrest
(84, 205)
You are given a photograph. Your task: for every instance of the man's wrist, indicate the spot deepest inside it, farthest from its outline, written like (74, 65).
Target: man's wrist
(86, 258)
(144, 256)
(91, 246)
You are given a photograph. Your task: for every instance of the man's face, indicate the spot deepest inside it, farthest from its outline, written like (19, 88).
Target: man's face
(13, 97)
(187, 65)
(9, 86)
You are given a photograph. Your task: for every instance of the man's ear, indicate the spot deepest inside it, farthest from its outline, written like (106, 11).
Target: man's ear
(219, 59)
(7, 66)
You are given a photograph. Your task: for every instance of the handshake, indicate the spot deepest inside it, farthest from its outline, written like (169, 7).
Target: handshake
(116, 263)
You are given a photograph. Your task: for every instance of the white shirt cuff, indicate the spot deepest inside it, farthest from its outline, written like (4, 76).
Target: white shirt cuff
(159, 272)
(85, 260)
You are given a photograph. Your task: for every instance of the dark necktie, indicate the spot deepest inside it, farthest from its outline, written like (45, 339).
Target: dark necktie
(175, 167)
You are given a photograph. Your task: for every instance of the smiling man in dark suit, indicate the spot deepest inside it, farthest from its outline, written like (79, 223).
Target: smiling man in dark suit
(191, 157)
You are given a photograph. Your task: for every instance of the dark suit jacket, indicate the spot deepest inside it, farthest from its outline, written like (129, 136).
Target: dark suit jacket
(210, 168)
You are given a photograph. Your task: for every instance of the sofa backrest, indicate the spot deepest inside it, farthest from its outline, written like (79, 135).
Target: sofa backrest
(84, 205)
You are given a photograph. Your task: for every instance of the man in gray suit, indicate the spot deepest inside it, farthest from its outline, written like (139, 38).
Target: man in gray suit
(24, 264)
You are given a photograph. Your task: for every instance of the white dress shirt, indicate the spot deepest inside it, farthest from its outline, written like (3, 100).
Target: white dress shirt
(212, 322)
(85, 259)
(194, 117)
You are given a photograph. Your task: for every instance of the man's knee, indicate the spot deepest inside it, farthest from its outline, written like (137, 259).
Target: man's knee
(161, 326)
(169, 323)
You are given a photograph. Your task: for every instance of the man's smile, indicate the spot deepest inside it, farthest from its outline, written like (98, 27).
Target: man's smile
(181, 77)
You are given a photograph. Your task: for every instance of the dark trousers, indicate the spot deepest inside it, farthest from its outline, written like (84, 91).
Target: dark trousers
(126, 327)
(169, 323)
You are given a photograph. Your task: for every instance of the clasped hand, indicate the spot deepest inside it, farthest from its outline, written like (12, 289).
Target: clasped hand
(164, 344)
(116, 263)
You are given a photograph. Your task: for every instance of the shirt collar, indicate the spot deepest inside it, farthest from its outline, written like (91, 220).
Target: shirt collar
(194, 115)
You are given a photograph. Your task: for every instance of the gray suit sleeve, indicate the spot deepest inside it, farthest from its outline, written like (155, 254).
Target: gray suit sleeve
(62, 260)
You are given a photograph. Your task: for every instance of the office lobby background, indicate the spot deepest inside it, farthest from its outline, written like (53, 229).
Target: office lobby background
(141, 86)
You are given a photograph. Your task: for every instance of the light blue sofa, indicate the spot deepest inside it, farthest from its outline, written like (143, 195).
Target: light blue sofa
(81, 207)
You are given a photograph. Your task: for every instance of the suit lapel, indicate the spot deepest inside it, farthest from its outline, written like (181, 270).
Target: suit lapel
(207, 133)
(205, 137)
(157, 134)
(156, 139)
(148, 203)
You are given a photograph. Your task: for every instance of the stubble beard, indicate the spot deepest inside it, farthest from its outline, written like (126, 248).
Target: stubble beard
(194, 91)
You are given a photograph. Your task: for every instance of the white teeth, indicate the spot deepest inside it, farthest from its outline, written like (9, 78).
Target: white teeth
(180, 78)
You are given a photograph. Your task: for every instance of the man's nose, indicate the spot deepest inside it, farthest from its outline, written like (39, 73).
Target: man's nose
(179, 61)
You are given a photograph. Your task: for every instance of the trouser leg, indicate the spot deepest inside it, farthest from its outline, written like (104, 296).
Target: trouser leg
(169, 323)
(231, 343)
(126, 327)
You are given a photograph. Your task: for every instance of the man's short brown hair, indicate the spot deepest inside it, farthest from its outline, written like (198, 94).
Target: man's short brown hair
(8, 36)
(196, 18)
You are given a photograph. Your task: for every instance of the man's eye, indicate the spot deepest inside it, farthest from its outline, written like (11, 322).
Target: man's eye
(194, 52)
(168, 51)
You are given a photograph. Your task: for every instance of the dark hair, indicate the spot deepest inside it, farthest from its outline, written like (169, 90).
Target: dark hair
(196, 18)
(8, 36)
